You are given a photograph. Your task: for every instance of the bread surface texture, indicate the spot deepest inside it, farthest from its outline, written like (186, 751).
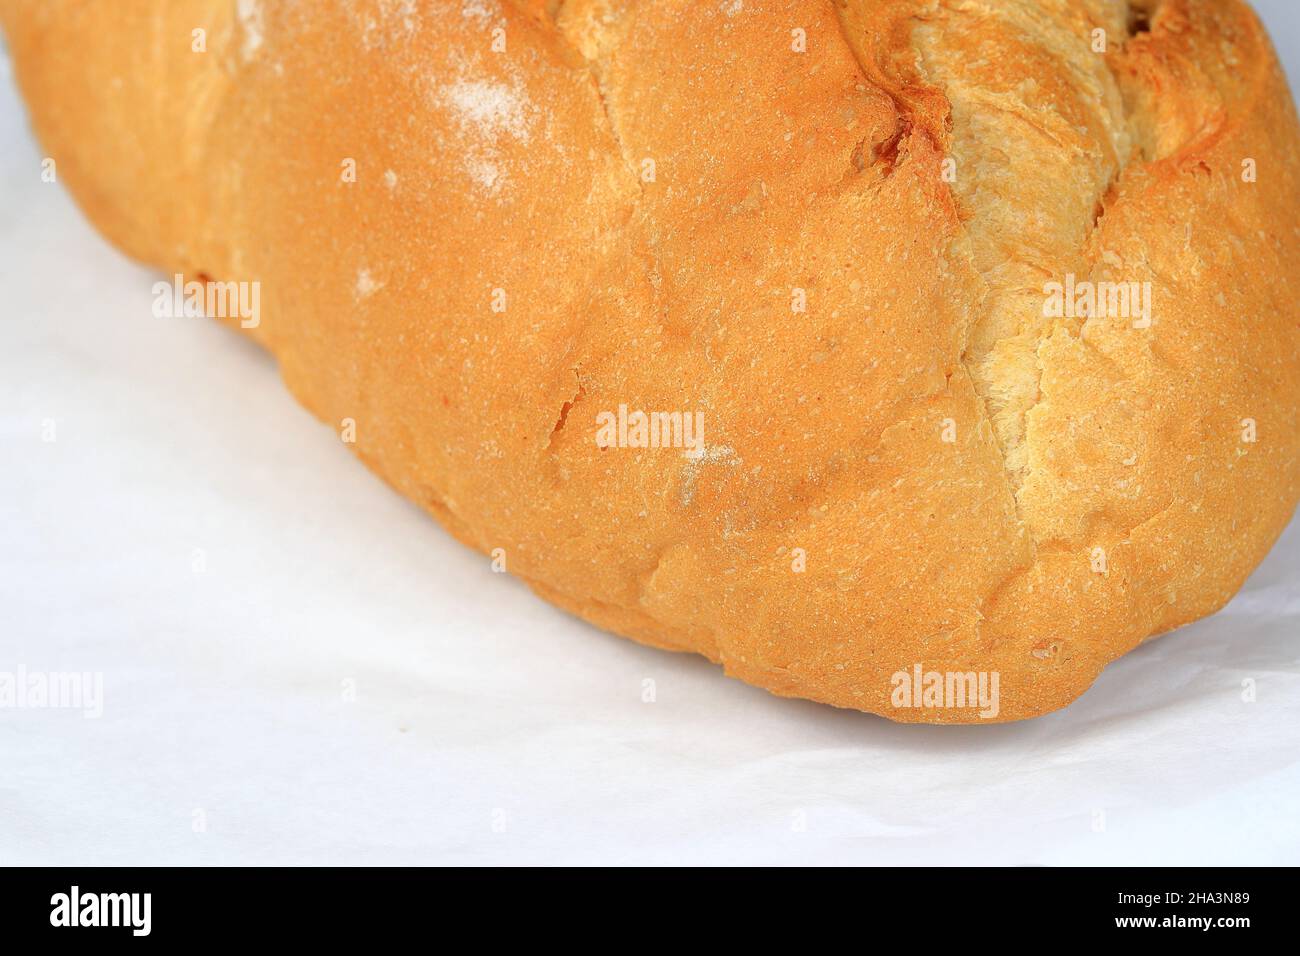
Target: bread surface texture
(825, 236)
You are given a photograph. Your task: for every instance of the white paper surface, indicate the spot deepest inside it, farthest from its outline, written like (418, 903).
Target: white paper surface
(232, 571)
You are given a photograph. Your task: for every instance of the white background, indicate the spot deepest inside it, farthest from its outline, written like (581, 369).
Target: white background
(487, 726)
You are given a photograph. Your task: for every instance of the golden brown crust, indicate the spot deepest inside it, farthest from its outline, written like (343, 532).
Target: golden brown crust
(648, 184)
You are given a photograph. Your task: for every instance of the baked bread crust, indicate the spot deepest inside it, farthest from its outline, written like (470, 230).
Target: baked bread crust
(972, 486)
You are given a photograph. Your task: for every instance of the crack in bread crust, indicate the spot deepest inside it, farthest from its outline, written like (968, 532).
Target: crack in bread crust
(1024, 137)
(1036, 154)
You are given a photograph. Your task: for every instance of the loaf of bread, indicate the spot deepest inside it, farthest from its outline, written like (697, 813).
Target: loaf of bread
(914, 356)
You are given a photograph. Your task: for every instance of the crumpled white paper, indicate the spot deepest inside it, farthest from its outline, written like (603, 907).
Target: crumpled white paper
(299, 667)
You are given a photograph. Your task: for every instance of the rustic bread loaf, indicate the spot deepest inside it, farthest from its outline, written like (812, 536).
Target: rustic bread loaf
(874, 349)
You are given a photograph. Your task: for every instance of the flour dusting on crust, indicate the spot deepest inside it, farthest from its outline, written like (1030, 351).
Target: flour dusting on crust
(488, 113)
(397, 21)
(484, 11)
(253, 25)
